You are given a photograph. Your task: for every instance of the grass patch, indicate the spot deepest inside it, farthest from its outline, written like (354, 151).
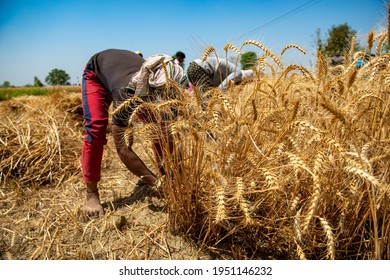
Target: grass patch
(7, 93)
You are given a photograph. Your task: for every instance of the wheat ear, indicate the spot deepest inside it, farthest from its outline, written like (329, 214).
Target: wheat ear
(290, 68)
(221, 183)
(367, 177)
(221, 209)
(330, 244)
(322, 68)
(266, 51)
(243, 203)
(381, 42)
(339, 114)
(290, 47)
(300, 253)
(370, 40)
(352, 49)
(207, 52)
(126, 104)
(313, 205)
(297, 225)
(229, 46)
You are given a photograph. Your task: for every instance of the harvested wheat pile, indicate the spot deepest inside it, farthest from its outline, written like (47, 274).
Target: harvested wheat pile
(41, 192)
(38, 139)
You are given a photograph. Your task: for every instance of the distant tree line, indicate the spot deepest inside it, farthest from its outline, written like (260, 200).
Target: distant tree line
(337, 42)
(56, 77)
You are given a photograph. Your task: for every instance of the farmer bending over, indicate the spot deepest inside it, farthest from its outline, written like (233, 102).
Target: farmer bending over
(213, 72)
(105, 78)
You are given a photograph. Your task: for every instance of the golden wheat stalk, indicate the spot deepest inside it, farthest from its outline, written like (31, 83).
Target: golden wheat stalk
(294, 142)
(313, 205)
(297, 226)
(254, 109)
(351, 49)
(221, 209)
(337, 70)
(216, 119)
(336, 144)
(330, 244)
(220, 183)
(305, 124)
(375, 65)
(261, 62)
(293, 67)
(367, 177)
(297, 162)
(128, 136)
(294, 111)
(338, 113)
(322, 66)
(364, 154)
(319, 162)
(352, 77)
(168, 104)
(380, 44)
(197, 97)
(229, 46)
(370, 41)
(135, 112)
(252, 158)
(270, 178)
(266, 50)
(295, 202)
(126, 104)
(230, 159)
(226, 102)
(174, 90)
(242, 202)
(292, 46)
(207, 52)
(341, 224)
(300, 253)
(303, 70)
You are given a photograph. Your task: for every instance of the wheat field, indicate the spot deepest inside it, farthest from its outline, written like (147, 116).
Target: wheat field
(291, 164)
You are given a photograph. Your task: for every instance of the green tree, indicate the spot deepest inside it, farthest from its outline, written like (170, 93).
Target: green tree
(339, 40)
(57, 77)
(37, 82)
(248, 60)
(6, 84)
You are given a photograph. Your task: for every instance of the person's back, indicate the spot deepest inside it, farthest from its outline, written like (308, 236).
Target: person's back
(114, 68)
(220, 71)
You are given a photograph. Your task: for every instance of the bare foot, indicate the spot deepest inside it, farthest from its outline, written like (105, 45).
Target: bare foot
(93, 208)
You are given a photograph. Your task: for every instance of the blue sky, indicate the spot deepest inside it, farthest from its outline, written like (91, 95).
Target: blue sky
(40, 35)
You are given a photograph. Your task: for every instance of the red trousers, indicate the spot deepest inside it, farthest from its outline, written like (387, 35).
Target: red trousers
(96, 102)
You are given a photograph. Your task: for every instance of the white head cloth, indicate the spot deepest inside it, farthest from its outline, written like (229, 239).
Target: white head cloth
(152, 74)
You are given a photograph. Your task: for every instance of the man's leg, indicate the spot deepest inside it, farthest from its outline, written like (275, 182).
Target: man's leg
(95, 106)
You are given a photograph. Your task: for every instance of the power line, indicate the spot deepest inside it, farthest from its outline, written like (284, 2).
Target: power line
(284, 16)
